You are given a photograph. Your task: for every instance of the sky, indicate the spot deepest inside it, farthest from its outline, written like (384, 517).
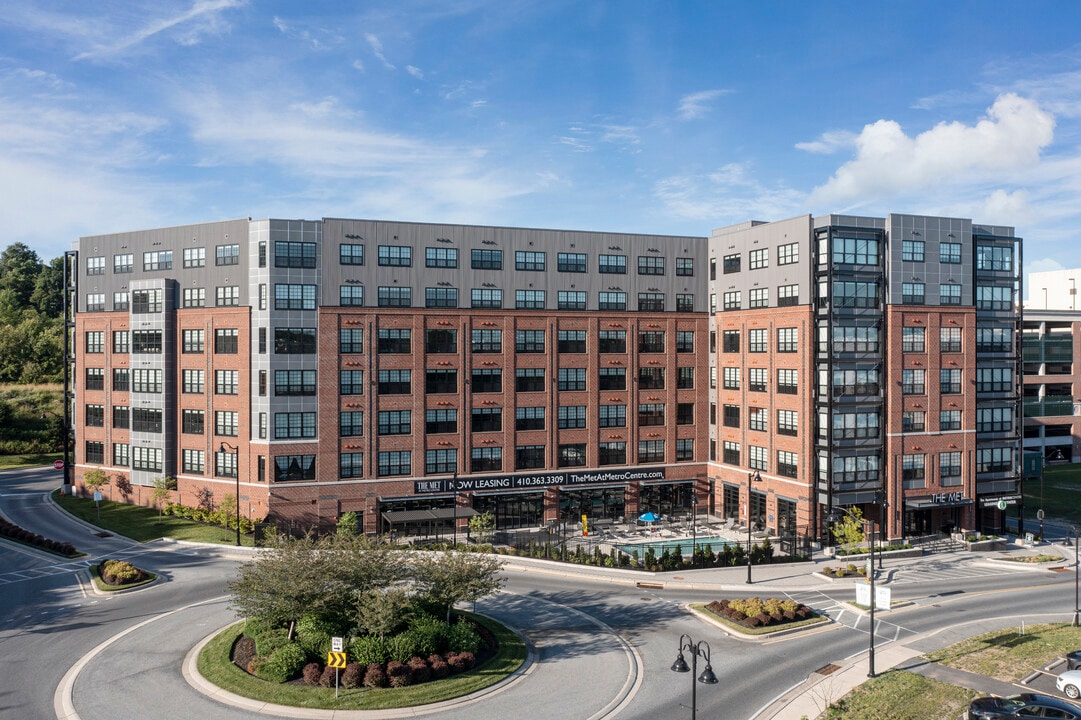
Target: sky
(668, 117)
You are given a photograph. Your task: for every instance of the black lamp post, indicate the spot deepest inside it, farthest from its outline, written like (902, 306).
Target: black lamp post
(1076, 579)
(226, 447)
(454, 487)
(751, 478)
(697, 650)
(65, 430)
(833, 517)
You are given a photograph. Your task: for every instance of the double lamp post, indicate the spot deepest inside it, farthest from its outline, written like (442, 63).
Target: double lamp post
(227, 448)
(697, 650)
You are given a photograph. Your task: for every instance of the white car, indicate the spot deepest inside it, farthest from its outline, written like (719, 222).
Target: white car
(1069, 683)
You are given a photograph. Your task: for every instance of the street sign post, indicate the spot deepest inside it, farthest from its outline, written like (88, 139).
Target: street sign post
(336, 644)
(58, 464)
(97, 503)
(336, 659)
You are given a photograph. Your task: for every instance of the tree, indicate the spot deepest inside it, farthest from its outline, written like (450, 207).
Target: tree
(19, 268)
(483, 526)
(455, 576)
(849, 530)
(347, 523)
(162, 487)
(47, 297)
(95, 479)
(381, 611)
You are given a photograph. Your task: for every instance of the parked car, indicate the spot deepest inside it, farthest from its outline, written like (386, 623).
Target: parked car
(1069, 682)
(1073, 660)
(1023, 705)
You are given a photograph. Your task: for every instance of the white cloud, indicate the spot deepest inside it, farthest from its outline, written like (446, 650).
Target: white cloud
(358, 65)
(888, 162)
(577, 144)
(317, 38)
(190, 25)
(415, 72)
(377, 50)
(725, 196)
(694, 106)
(828, 142)
(620, 134)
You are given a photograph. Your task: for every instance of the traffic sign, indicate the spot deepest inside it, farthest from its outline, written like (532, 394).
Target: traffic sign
(336, 659)
(336, 644)
(58, 464)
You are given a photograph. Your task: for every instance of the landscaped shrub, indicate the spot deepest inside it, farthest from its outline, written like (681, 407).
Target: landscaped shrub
(455, 662)
(119, 572)
(399, 674)
(429, 634)
(463, 637)
(352, 676)
(402, 647)
(327, 679)
(284, 664)
(244, 652)
(439, 666)
(375, 676)
(269, 640)
(312, 673)
(369, 649)
(313, 634)
(421, 672)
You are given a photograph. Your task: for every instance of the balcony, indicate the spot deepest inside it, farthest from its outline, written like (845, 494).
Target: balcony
(1050, 407)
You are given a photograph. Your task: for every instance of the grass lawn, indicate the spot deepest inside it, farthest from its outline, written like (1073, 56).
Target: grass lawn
(143, 524)
(1061, 494)
(15, 462)
(215, 666)
(1007, 655)
(898, 695)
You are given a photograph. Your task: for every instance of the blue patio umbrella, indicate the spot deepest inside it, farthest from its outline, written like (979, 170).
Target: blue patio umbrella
(649, 517)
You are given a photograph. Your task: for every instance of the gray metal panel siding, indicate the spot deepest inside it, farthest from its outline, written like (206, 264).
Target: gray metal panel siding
(932, 232)
(756, 237)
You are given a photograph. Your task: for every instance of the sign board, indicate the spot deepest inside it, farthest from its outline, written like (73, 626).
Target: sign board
(336, 659)
(58, 464)
(882, 596)
(525, 482)
(97, 496)
(336, 644)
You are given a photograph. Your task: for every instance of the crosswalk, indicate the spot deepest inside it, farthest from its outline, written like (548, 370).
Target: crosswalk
(932, 569)
(69, 566)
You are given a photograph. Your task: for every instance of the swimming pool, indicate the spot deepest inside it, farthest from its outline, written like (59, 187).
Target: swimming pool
(685, 545)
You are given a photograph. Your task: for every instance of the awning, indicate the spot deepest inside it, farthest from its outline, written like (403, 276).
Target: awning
(925, 503)
(408, 516)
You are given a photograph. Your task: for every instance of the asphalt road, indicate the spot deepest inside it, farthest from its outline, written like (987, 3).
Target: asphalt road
(601, 650)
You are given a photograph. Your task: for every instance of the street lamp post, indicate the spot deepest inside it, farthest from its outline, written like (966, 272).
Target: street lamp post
(1076, 579)
(235, 450)
(65, 429)
(694, 528)
(697, 650)
(751, 478)
(833, 517)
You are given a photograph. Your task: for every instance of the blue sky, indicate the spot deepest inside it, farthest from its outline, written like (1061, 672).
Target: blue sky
(657, 117)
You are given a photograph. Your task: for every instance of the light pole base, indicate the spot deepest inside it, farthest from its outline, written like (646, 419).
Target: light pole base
(1076, 619)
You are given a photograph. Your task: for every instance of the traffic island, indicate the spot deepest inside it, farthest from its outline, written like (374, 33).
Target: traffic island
(119, 575)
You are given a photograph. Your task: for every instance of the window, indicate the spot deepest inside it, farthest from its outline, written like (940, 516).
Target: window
(949, 339)
(528, 260)
(731, 416)
(395, 296)
(193, 422)
(612, 379)
(571, 262)
(651, 378)
(528, 456)
(225, 341)
(230, 254)
(758, 340)
(529, 418)
(732, 300)
(855, 382)
(228, 296)
(731, 453)
(571, 300)
(529, 341)
(123, 263)
(529, 299)
(289, 468)
(572, 455)
(572, 379)
(759, 458)
(95, 302)
(949, 294)
(490, 380)
(571, 416)
(731, 263)
(486, 259)
(294, 297)
(572, 341)
(949, 420)
(759, 298)
(913, 339)
(146, 341)
(441, 341)
(395, 341)
(487, 341)
(529, 380)
(612, 416)
(487, 298)
(121, 454)
(855, 425)
(289, 425)
(193, 341)
(912, 382)
(351, 423)
(913, 421)
(859, 468)
(144, 458)
(441, 297)
(294, 382)
(855, 294)
(912, 293)
(851, 339)
(788, 254)
(395, 422)
(487, 420)
(440, 421)
(262, 253)
(121, 379)
(685, 377)
(121, 342)
(787, 340)
(351, 296)
(650, 414)
(787, 295)
(440, 257)
(146, 301)
(731, 378)
(650, 451)
(684, 267)
(95, 416)
(651, 342)
(95, 265)
(912, 472)
(121, 300)
(121, 417)
(349, 254)
(994, 339)
(146, 420)
(194, 461)
(994, 380)
(758, 378)
(787, 463)
(395, 255)
(612, 453)
(788, 422)
(95, 341)
(684, 341)
(949, 252)
(787, 381)
(855, 251)
(995, 258)
(95, 452)
(350, 340)
(612, 301)
(612, 341)
(730, 341)
(685, 449)
(612, 265)
(395, 382)
(759, 258)
(650, 265)
(440, 461)
(994, 419)
(294, 341)
(912, 250)
(685, 414)
(146, 380)
(351, 382)
(441, 381)
(158, 260)
(194, 297)
(758, 419)
(949, 468)
(994, 460)
(994, 297)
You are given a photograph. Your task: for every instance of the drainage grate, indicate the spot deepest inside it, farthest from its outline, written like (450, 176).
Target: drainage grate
(828, 669)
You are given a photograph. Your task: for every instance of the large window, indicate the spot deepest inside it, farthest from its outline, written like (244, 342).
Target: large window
(788, 381)
(787, 463)
(529, 299)
(490, 380)
(994, 257)
(994, 419)
(440, 381)
(571, 262)
(650, 265)
(395, 341)
(759, 258)
(571, 300)
(651, 451)
(650, 414)
(994, 380)
(758, 419)
(440, 461)
(291, 425)
(294, 382)
(486, 298)
(949, 252)
(146, 420)
(855, 251)
(95, 341)
(440, 421)
(651, 342)
(195, 257)
(855, 294)
(529, 380)
(395, 382)
(157, 260)
(394, 296)
(611, 301)
(612, 341)
(95, 416)
(528, 456)
(758, 340)
(731, 263)
(759, 298)
(612, 453)
(949, 420)
(350, 340)
(994, 297)
(194, 297)
(230, 254)
(994, 339)
(650, 302)
(913, 473)
(487, 341)
(294, 297)
(788, 253)
(572, 379)
(949, 381)
(685, 267)
(292, 468)
(571, 416)
(529, 418)
(487, 420)
(571, 341)
(146, 458)
(731, 377)
(123, 263)
(441, 297)
(612, 416)
(913, 293)
(194, 461)
(787, 340)
(612, 378)
(855, 382)
(572, 455)
(396, 255)
(788, 422)
(730, 341)
(351, 423)
(351, 382)
(145, 341)
(395, 422)
(529, 341)
(994, 460)
(949, 294)
(850, 339)
(913, 339)
(146, 380)
(732, 300)
(440, 341)
(294, 341)
(194, 341)
(732, 453)
(912, 382)
(146, 301)
(225, 341)
(731, 416)
(95, 379)
(612, 264)
(351, 295)
(855, 425)
(349, 254)
(912, 250)
(486, 259)
(528, 260)
(440, 257)
(651, 378)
